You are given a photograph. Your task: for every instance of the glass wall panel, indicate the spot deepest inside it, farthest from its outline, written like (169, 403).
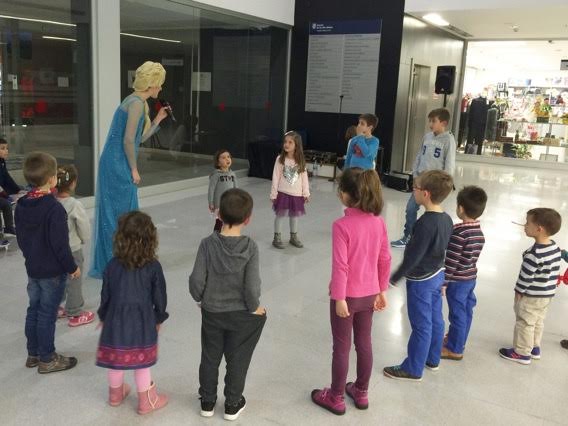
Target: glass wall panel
(226, 79)
(45, 84)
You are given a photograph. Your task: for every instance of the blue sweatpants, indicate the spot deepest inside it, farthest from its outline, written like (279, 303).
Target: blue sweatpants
(461, 301)
(424, 302)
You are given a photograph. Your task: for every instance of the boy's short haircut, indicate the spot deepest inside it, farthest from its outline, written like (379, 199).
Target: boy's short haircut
(549, 219)
(370, 119)
(3, 141)
(441, 114)
(473, 200)
(438, 183)
(235, 206)
(39, 167)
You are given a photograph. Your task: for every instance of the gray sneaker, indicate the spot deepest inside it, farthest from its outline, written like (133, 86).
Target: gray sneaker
(294, 240)
(277, 241)
(57, 363)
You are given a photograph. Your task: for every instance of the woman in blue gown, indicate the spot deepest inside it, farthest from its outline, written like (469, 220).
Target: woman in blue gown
(118, 176)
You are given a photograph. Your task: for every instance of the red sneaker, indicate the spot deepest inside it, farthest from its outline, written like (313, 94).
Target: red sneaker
(61, 312)
(85, 317)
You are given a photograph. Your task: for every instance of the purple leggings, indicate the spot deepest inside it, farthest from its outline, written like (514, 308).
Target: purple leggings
(360, 321)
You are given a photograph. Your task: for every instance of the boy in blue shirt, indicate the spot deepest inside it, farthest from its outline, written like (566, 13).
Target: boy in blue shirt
(43, 236)
(363, 148)
(423, 267)
(438, 152)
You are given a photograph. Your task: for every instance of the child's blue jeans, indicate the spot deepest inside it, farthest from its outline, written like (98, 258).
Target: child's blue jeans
(424, 303)
(411, 215)
(461, 301)
(45, 295)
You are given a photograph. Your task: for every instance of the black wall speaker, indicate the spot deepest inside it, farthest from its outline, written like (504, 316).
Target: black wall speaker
(445, 78)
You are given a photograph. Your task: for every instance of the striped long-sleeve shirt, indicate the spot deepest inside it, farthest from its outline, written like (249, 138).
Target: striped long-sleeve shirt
(463, 251)
(539, 271)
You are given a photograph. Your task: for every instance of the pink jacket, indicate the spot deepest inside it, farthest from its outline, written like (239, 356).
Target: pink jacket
(361, 258)
(294, 183)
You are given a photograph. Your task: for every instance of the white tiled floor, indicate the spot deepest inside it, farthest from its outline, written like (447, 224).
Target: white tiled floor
(294, 353)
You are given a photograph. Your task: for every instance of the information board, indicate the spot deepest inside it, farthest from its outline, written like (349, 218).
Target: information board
(343, 66)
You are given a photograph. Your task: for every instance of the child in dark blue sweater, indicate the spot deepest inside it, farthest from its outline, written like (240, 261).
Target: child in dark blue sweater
(8, 187)
(43, 236)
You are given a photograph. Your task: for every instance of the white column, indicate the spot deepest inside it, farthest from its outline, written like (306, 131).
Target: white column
(106, 70)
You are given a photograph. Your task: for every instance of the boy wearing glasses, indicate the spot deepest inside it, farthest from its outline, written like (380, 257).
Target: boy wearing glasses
(423, 267)
(438, 152)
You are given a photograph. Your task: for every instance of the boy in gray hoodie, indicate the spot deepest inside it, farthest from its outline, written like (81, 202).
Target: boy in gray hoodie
(226, 283)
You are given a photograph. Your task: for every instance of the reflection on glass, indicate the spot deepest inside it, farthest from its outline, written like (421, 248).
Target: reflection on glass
(45, 84)
(225, 82)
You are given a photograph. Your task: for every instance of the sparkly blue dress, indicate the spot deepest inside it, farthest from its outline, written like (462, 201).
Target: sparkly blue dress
(116, 193)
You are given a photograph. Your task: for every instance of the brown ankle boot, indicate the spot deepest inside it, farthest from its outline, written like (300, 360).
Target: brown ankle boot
(117, 395)
(295, 241)
(150, 400)
(277, 241)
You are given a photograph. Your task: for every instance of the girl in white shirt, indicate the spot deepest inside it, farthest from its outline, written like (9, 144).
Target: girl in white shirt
(290, 188)
(79, 233)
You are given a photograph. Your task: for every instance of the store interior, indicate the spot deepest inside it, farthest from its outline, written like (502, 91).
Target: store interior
(514, 102)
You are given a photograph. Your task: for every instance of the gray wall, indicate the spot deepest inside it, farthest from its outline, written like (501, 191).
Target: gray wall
(429, 46)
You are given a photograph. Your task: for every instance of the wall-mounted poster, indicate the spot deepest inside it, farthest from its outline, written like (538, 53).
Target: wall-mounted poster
(343, 64)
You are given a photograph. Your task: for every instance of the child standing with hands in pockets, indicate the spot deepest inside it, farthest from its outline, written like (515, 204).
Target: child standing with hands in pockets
(79, 233)
(359, 279)
(133, 307)
(290, 188)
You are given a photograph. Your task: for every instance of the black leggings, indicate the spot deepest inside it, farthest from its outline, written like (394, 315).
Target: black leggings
(6, 208)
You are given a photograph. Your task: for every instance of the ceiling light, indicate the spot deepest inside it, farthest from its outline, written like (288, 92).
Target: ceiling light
(436, 19)
(151, 38)
(58, 38)
(20, 18)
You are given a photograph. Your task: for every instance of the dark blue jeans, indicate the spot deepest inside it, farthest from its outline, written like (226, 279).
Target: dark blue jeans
(424, 301)
(412, 208)
(45, 295)
(461, 301)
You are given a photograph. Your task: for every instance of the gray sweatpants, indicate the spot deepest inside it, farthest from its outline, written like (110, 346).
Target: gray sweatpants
(73, 296)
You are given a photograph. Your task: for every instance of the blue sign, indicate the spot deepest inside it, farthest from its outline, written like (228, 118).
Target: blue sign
(346, 27)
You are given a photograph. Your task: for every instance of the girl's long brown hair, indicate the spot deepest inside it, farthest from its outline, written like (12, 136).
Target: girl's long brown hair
(135, 240)
(298, 150)
(363, 188)
(66, 175)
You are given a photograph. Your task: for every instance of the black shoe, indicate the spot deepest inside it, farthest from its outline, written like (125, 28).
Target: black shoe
(564, 343)
(396, 372)
(232, 411)
(207, 408)
(57, 363)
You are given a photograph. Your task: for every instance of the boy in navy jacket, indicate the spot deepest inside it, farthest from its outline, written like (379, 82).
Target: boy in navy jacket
(43, 236)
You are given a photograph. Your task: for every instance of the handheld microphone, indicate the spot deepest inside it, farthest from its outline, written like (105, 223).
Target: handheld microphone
(168, 107)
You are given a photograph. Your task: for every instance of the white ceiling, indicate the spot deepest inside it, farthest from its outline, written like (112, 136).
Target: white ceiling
(485, 19)
(518, 57)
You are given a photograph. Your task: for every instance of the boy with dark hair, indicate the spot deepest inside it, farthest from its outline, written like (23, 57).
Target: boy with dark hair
(43, 236)
(438, 152)
(535, 286)
(7, 187)
(362, 151)
(465, 245)
(423, 267)
(226, 283)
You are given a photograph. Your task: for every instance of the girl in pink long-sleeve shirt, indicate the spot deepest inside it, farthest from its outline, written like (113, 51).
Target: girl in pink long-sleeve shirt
(359, 279)
(290, 189)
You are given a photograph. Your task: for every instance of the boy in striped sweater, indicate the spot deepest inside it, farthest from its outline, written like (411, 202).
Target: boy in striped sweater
(536, 285)
(463, 251)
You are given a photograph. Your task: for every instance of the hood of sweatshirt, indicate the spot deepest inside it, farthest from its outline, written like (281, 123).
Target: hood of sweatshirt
(32, 211)
(229, 254)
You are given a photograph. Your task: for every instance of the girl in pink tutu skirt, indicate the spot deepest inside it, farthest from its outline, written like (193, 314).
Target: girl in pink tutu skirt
(290, 188)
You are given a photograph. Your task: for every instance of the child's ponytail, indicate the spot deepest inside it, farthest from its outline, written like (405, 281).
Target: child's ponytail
(363, 188)
(66, 175)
